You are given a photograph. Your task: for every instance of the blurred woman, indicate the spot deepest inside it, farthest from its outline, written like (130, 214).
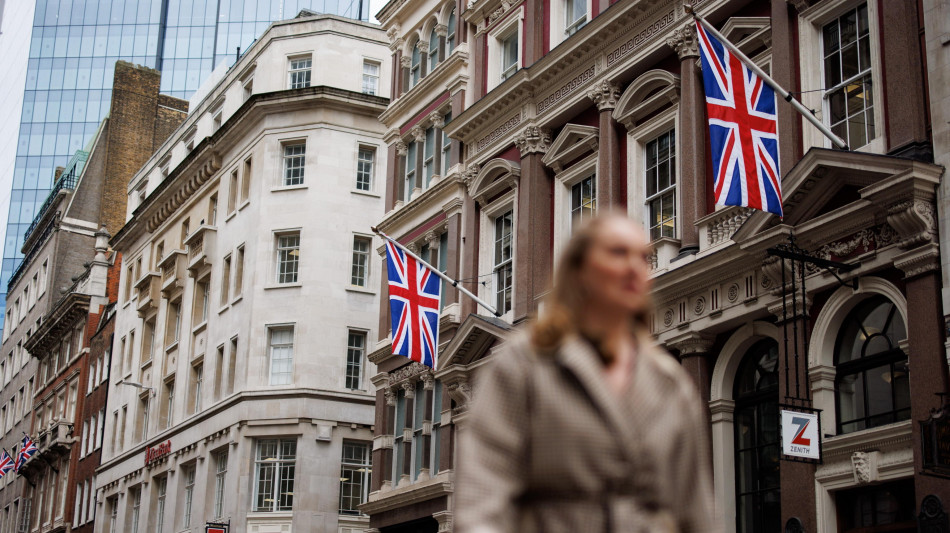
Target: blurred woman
(581, 424)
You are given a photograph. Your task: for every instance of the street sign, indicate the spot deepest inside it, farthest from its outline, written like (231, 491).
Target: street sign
(800, 435)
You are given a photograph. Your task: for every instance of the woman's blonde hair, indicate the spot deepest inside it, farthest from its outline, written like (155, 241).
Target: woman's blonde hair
(567, 300)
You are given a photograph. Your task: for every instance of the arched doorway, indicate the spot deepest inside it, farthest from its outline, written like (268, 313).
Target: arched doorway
(757, 441)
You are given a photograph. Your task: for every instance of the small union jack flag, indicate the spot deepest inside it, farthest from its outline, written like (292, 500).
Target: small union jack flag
(414, 294)
(6, 463)
(26, 451)
(743, 129)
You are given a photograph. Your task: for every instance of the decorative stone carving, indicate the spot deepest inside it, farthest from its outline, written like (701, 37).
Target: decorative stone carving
(436, 119)
(684, 43)
(864, 465)
(732, 294)
(444, 518)
(799, 5)
(470, 173)
(699, 306)
(423, 46)
(393, 32)
(722, 227)
(653, 260)
(390, 395)
(691, 343)
(405, 62)
(932, 517)
(401, 148)
(496, 14)
(460, 392)
(914, 221)
(919, 260)
(432, 239)
(428, 380)
(668, 318)
(409, 387)
(418, 133)
(413, 247)
(533, 140)
(441, 30)
(605, 95)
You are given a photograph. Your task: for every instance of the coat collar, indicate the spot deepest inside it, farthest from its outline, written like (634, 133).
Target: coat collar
(579, 357)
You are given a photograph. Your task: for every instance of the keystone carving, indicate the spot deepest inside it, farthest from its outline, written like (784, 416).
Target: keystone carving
(683, 42)
(605, 95)
(533, 140)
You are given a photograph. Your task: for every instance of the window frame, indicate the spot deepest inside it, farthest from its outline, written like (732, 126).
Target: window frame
(365, 178)
(280, 463)
(284, 258)
(305, 71)
(348, 467)
(353, 373)
(660, 194)
(501, 205)
(373, 79)
(271, 329)
(288, 163)
(566, 180)
(637, 140)
(812, 22)
(512, 25)
(366, 256)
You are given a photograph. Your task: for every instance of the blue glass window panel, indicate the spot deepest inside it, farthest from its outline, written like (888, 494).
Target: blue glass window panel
(115, 39)
(118, 12)
(57, 73)
(52, 9)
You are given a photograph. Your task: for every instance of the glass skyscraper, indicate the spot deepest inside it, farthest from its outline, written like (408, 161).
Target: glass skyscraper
(75, 45)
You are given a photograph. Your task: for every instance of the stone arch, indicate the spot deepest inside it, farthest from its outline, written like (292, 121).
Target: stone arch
(487, 183)
(652, 90)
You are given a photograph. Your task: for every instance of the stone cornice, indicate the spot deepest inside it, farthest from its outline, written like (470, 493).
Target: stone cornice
(381, 501)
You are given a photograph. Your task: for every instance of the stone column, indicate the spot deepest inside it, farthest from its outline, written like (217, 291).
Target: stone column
(405, 63)
(690, 139)
(533, 244)
(785, 72)
(401, 151)
(926, 352)
(442, 31)
(693, 348)
(419, 135)
(384, 320)
(423, 46)
(453, 225)
(392, 180)
(468, 249)
(797, 480)
(611, 182)
(903, 82)
(438, 122)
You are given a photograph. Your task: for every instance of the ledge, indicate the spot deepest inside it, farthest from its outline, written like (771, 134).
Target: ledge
(441, 485)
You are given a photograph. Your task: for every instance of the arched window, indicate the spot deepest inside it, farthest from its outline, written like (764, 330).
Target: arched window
(415, 69)
(871, 383)
(757, 441)
(450, 36)
(433, 50)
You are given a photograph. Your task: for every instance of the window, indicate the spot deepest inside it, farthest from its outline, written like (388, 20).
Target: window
(871, 384)
(300, 72)
(143, 417)
(365, 162)
(113, 505)
(189, 473)
(575, 16)
(433, 50)
(294, 158)
(846, 51)
(197, 376)
(446, 147)
(355, 350)
(239, 272)
(420, 453)
(218, 372)
(274, 467)
(220, 476)
(136, 497)
(232, 364)
(202, 296)
(661, 185)
(450, 35)
(246, 179)
(288, 257)
(509, 55)
(216, 118)
(233, 192)
(757, 440)
(148, 339)
(225, 280)
(370, 77)
(415, 66)
(185, 231)
(248, 86)
(502, 262)
(168, 408)
(162, 487)
(281, 355)
(212, 212)
(583, 201)
(360, 271)
(354, 476)
(160, 247)
(129, 281)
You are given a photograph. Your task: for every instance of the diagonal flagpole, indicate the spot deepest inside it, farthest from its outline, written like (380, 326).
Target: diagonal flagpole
(454, 282)
(805, 112)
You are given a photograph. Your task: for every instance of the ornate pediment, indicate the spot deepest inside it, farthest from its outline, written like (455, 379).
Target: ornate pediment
(573, 142)
(473, 340)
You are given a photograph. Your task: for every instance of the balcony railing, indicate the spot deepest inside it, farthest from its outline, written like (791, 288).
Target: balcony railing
(200, 248)
(173, 271)
(148, 289)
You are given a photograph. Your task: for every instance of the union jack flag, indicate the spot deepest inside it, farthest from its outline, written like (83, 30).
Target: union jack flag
(743, 129)
(414, 293)
(26, 451)
(6, 463)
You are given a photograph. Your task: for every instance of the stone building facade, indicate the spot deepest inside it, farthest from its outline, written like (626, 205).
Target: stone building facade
(560, 109)
(58, 287)
(238, 387)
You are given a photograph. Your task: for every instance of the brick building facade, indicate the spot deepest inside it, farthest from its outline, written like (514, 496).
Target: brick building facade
(546, 111)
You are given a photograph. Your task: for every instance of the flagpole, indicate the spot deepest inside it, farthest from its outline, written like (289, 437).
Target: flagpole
(454, 282)
(805, 112)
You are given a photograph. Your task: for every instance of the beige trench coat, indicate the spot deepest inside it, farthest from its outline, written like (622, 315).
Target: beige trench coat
(549, 448)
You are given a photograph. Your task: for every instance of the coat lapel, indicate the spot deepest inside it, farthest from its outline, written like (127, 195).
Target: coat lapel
(579, 357)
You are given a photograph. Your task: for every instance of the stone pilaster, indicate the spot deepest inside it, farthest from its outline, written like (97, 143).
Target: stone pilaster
(611, 179)
(533, 254)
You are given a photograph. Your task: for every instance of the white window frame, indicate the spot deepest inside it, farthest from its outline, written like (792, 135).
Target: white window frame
(363, 468)
(496, 37)
(278, 250)
(271, 328)
(559, 31)
(373, 80)
(507, 202)
(367, 256)
(637, 140)
(565, 181)
(303, 70)
(285, 161)
(362, 358)
(371, 174)
(811, 57)
(220, 479)
(279, 463)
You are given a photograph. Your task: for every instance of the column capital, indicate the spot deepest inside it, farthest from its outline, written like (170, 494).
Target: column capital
(470, 173)
(441, 30)
(691, 343)
(401, 148)
(432, 239)
(423, 46)
(915, 221)
(684, 43)
(436, 119)
(605, 95)
(405, 61)
(418, 133)
(533, 140)
(920, 260)
(444, 518)
(799, 5)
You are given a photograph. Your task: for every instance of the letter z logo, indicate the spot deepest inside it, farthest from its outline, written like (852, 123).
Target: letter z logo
(802, 423)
